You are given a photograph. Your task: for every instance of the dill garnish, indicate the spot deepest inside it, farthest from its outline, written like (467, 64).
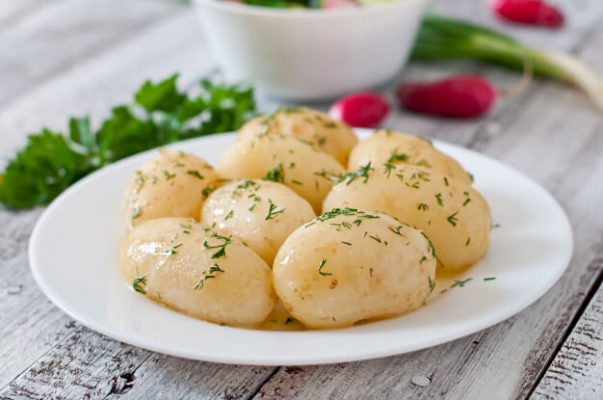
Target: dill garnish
(139, 284)
(207, 275)
(276, 174)
(136, 212)
(431, 284)
(452, 219)
(221, 252)
(194, 173)
(438, 197)
(461, 283)
(172, 250)
(272, 211)
(362, 172)
(394, 157)
(321, 266)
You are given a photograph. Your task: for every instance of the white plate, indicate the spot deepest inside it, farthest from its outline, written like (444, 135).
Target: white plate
(73, 258)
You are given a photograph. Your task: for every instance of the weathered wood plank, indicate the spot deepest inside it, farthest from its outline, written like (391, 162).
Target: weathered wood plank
(80, 366)
(559, 148)
(175, 378)
(54, 38)
(29, 324)
(91, 366)
(12, 11)
(577, 370)
(93, 85)
(453, 370)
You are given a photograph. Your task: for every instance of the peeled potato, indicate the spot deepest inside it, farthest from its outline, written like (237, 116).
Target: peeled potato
(453, 215)
(326, 134)
(261, 213)
(284, 159)
(386, 146)
(348, 265)
(190, 268)
(171, 185)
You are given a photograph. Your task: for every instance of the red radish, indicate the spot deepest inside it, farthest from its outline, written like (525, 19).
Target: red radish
(460, 96)
(532, 12)
(339, 4)
(362, 109)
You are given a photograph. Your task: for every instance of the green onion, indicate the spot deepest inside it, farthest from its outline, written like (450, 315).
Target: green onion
(447, 38)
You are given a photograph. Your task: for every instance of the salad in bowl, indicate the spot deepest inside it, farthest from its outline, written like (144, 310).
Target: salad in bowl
(310, 50)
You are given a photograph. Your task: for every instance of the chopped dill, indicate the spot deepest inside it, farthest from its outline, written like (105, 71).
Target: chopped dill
(276, 174)
(362, 172)
(196, 174)
(431, 284)
(461, 283)
(229, 215)
(321, 266)
(139, 284)
(272, 211)
(453, 219)
(168, 176)
(221, 252)
(207, 275)
(438, 197)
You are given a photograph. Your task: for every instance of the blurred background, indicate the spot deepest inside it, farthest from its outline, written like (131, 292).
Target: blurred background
(76, 57)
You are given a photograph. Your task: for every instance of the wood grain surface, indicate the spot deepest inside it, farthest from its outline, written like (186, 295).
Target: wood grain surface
(577, 370)
(62, 57)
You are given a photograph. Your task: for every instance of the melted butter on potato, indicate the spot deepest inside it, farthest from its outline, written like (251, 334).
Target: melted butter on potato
(280, 320)
(261, 213)
(170, 185)
(348, 266)
(191, 268)
(324, 133)
(453, 215)
(280, 158)
(386, 146)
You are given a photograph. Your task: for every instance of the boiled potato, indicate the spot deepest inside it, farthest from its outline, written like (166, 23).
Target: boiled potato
(349, 265)
(386, 146)
(171, 185)
(453, 215)
(286, 159)
(190, 268)
(324, 133)
(261, 213)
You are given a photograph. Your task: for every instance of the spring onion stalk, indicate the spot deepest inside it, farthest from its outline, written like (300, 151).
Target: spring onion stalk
(447, 38)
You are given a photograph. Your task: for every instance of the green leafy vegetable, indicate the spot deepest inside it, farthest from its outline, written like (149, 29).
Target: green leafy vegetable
(161, 114)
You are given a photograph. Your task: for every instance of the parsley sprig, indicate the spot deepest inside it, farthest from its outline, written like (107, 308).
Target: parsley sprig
(160, 114)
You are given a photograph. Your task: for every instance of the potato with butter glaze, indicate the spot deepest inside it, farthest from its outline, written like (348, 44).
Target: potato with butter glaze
(191, 268)
(261, 213)
(453, 215)
(170, 185)
(349, 265)
(285, 159)
(386, 146)
(319, 129)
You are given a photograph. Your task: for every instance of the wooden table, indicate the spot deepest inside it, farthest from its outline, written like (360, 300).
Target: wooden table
(75, 57)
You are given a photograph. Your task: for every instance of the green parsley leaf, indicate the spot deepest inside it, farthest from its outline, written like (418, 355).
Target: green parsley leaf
(161, 114)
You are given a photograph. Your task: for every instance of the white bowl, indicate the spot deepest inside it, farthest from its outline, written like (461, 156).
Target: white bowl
(310, 54)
